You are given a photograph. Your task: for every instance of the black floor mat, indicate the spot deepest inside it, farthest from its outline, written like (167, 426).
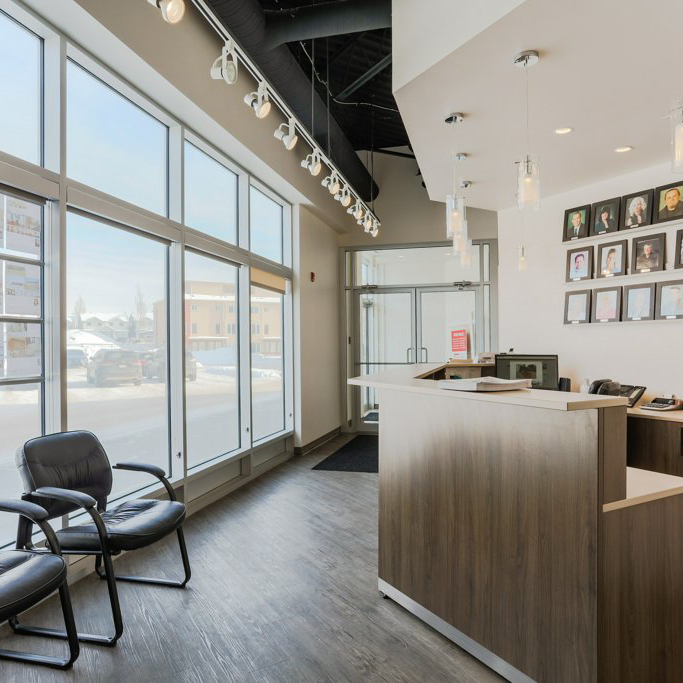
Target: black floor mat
(358, 455)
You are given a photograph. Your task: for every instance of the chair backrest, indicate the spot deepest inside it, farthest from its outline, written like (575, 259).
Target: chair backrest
(68, 460)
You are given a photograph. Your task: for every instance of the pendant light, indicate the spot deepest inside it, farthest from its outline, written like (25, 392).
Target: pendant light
(676, 117)
(528, 177)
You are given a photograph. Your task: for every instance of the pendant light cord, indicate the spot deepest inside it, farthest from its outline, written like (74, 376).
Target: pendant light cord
(312, 88)
(528, 140)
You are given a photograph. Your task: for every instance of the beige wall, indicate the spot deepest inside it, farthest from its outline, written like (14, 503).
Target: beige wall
(531, 303)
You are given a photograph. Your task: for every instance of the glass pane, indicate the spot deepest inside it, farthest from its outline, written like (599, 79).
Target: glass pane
(116, 343)
(20, 289)
(20, 75)
(112, 144)
(20, 420)
(20, 350)
(386, 328)
(447, 321)
(487, 318)
(487, 263)
(426, 265)
(265, 221)
(210, 195)
(267, 385)
(21, 224)
(211, 360)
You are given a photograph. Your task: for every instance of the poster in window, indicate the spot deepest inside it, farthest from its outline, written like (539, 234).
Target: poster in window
(23, 221)
(21, 286)
(22, 350)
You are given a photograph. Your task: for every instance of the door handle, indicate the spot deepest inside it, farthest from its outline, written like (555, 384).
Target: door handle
(408, 350)
(424, 348)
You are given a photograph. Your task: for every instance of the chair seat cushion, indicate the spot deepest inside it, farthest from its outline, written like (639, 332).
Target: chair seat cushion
(26, 578)
(133, 524)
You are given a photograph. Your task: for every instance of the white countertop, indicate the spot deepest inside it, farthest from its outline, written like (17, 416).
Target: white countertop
(407, 378)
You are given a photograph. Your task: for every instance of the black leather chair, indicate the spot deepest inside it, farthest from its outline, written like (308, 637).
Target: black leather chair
(70, 470)
(27, 575)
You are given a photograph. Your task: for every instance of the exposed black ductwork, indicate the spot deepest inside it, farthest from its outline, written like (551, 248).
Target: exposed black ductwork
(246, 22)
(326, 19)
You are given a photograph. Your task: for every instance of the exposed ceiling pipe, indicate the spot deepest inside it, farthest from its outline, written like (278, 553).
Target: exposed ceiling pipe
(246, 21)
(326, 19)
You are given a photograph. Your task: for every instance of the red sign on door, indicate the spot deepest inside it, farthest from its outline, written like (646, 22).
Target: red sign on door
(459, 341)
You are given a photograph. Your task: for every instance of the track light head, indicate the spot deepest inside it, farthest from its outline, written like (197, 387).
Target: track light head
(344, 196)
(375, 228)
(312, 163)
(226, 66)
(367, 223)
(356, 211)
(259, 101)
(172, 11)
(331, 182)
(286, 133)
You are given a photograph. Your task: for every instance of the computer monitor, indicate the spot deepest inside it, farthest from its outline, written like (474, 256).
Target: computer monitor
(540, 369)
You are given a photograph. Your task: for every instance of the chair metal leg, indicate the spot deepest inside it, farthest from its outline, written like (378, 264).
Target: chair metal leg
(157, 582)
(71, 636)
(108, 641)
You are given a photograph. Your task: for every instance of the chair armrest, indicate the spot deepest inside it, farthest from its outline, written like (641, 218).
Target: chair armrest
(149, 469)
(22, 507)
(75, 497)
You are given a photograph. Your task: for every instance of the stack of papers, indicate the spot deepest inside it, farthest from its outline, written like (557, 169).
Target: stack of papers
(484, 384)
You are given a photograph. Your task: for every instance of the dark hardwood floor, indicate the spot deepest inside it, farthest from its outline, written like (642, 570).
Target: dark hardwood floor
(284, 588)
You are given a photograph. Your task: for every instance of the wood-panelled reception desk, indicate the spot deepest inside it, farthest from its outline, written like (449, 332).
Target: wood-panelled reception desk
(511, 524)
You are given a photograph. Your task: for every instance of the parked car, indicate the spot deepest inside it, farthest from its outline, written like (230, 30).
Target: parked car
(114, 366)
(75, 358)
(156, 367)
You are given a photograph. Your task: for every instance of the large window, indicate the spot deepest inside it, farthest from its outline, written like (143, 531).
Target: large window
(211, 358)
(267, 365)
(21, 78)
(21, 332)
(266, 226)
(113, 145)
(210, 195)
(117, 343)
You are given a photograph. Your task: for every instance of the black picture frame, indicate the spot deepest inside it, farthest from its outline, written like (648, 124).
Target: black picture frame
(660, 240)
(678, 257)
(567, 235)
(636, 314)
(629, 221)
(658, 214)
(588, 260)
(613, 207)
(598, 316)
(582, 293)
(601, 272)
(674, 310)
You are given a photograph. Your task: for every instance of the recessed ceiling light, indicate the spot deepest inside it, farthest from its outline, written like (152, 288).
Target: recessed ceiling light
(563, 131)
(625, 148)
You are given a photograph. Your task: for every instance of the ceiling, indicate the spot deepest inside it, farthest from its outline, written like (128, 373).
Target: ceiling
(369, 115)
(610, 70)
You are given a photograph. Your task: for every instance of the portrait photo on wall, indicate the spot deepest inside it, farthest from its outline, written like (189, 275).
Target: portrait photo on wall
(639, 302)
(678, 260)
(576, 223)
(670, 300)
(636, 210)
(577, 307)
(605, 216)
(668, 202)
(612, 258)
(648, 253)
(579, 264)
(607, 305)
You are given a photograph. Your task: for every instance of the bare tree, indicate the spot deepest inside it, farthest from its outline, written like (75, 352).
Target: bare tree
(140, 304)
(79, 310)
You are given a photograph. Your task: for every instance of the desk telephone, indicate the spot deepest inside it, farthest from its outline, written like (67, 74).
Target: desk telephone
(610, 388)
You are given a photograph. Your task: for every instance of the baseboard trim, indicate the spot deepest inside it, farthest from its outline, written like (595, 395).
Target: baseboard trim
(302, 450)
(491, 660)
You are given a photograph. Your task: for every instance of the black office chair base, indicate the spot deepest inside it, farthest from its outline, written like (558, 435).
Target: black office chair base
(153, 581)
(20, 629)
(28, 658)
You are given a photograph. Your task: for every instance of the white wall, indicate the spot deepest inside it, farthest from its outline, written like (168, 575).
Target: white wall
(532, 302)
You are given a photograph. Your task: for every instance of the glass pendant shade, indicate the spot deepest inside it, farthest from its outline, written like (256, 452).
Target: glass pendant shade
(449, 216)
(676, 116)
(528, 184)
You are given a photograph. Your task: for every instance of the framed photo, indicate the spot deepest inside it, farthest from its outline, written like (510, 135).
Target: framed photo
(607, 305)
(576, 223)
(605, 216)
(579, 264)
(636, 210)
(678, 259)
(612, 259)
(577, 307)
(639, 302)
(648, 253)
(668, 203)
(669, 300)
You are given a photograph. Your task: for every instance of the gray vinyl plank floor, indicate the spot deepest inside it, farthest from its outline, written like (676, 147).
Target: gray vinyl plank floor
(283, 589)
